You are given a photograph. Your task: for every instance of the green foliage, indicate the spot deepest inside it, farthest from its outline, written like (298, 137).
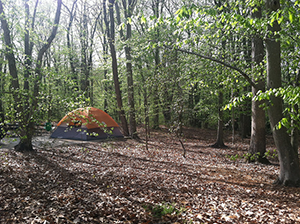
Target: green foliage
(291, 97)
(158, 211)
(253, 157)
(233, 157)
(271, 154)
(238, 101)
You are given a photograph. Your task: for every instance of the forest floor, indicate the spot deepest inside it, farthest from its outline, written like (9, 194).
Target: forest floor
(122, 182)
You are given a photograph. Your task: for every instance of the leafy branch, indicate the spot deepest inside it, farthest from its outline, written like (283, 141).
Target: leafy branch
(245, 75)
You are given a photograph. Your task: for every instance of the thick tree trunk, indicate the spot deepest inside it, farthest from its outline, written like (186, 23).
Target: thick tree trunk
(295, 122)
(26, 134)
(288, 158)
(258, 130)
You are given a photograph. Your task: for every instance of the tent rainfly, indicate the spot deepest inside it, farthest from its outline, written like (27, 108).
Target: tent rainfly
(87, 124)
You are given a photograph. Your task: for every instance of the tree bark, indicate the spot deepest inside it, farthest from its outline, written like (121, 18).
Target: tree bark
(220, 134)
(245, 116)
(132, 120)
(295, 129)
(71, 56)
(155, 119)
(258, 131)
(84, 81)
(105, 58)
(258, 134)
(111, 40)
(146, 105)
(128, 9)
(289, 174)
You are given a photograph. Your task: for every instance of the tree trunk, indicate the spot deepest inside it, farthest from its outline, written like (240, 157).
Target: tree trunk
(220, 134)
(295, 129)
(69, 45)
(295, 122)
(146, 106)
(289, 162)
(84, 81)
(105, 58)
(26, 134)
(258, 131)
(128, 8)
(258, 135)
(155, 8)
(155, 91)
(111, 40)
(232, 120)
(245, 117)
(132, 120)
(245, 120)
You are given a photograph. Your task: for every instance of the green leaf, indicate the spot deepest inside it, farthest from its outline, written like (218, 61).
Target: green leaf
(143, 19)
(280, 19)
(291, 16)
(279, 125)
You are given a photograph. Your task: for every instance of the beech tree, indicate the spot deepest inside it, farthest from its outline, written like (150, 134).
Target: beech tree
(258, 126)
(289, 162)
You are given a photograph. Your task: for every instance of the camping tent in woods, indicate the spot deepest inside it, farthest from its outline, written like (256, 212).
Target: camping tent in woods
(87, 124)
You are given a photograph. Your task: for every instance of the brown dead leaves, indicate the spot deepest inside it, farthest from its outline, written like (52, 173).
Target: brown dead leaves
(121, 182)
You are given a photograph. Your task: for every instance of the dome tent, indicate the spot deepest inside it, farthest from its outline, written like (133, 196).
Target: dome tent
(87, 123)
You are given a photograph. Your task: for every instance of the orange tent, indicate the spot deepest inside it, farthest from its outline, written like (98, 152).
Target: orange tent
(90, 117)
(86, 124)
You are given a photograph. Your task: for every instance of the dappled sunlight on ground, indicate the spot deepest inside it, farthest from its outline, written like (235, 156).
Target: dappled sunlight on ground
(122, 182)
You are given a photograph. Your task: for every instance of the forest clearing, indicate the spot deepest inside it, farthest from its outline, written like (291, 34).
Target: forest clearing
(122, 182)
(215, 65)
